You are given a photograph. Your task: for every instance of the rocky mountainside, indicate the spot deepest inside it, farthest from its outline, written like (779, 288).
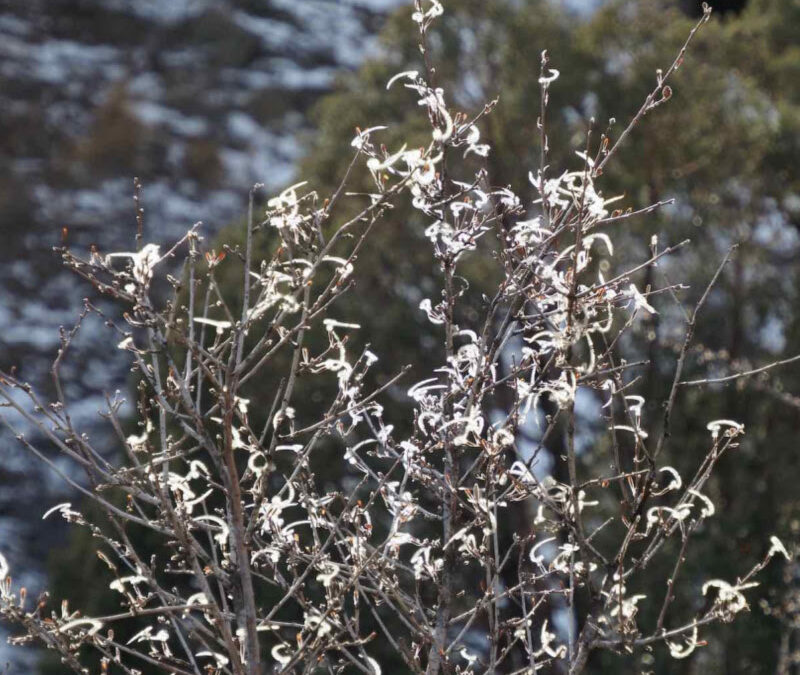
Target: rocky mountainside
(199, 99)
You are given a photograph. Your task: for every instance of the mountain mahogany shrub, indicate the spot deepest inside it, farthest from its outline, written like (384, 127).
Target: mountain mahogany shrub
(259, 568)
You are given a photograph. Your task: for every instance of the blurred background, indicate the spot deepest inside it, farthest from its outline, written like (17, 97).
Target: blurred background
(202, 98)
